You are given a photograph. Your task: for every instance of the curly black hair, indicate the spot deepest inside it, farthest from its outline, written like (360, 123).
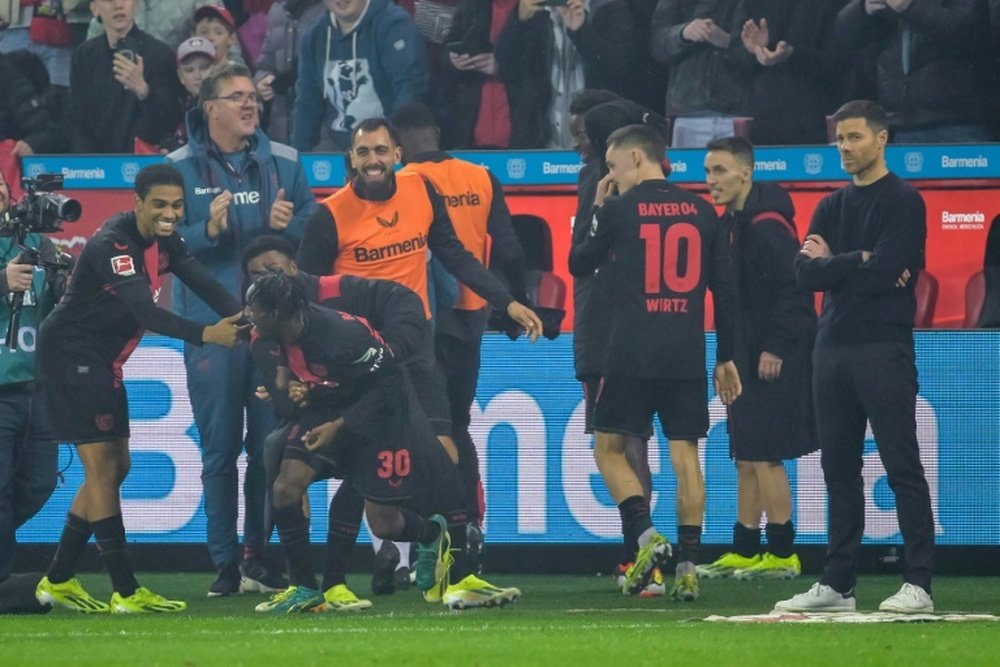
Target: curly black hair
(283, 297)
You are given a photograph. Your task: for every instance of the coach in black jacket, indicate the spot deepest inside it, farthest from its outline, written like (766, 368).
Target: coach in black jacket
(122, 85)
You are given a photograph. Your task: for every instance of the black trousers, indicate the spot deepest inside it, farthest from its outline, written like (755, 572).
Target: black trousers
(459, 359)
(874, 382)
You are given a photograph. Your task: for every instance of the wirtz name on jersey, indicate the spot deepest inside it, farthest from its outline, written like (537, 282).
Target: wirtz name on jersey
(666, 305)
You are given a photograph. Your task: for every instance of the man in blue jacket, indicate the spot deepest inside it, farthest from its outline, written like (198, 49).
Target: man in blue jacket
(238, 185)
(364, 61)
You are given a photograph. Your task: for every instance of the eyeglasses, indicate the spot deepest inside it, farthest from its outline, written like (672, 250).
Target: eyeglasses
(240, 99)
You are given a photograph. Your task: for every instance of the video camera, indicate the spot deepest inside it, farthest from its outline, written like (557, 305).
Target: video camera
(40, 211)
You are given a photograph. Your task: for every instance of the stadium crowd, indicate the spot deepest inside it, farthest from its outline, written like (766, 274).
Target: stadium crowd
(370, 365)
(118, 75)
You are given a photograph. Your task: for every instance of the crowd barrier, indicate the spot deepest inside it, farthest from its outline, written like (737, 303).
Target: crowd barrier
(959, 184)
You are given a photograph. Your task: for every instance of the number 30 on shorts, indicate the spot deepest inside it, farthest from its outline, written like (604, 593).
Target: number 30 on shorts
(394, 463)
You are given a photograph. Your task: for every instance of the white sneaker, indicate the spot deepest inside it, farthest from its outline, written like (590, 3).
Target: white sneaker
(910, 599)
(818, 598)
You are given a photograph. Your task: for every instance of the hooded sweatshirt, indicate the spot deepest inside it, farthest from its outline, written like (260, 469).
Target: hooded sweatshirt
(368, 72)
(264, 168)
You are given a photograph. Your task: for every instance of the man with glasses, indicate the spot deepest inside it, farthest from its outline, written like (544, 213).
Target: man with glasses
(238, 185)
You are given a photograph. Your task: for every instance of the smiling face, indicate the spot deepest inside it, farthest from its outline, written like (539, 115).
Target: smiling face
(374, 155)
(159, 211)
(233, 114)
(727, 178)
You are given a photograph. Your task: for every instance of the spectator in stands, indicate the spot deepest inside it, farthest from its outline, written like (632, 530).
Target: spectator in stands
(217, 25)
(170, 22)
(26, 120)
(195, 58)
(42, 27)
(365, 60)
(122, 85)
(546, 56)
(791, 50)
(700, 43)
(933, 63)
(475, 93)
(287, 23)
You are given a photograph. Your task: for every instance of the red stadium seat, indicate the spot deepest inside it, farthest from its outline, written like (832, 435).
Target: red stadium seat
(975, 296)
(927, 294)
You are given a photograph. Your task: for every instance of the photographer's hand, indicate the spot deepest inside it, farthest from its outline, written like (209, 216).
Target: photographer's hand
(19, 277)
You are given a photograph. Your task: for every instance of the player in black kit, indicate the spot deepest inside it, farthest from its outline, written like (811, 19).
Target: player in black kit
(660, 247)
(396, 312)
(356, 418)
(82, 346)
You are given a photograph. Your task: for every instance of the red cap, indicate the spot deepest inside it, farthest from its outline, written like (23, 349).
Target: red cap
(211, 11)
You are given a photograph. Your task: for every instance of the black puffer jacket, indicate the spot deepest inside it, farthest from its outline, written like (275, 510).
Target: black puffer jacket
(789, 101)
(25, 113)
(950, 59)
(702, 77)
(524, 55)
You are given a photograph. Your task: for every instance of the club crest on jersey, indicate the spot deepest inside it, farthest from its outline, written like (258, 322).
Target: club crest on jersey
(389, 224)
(123, 265)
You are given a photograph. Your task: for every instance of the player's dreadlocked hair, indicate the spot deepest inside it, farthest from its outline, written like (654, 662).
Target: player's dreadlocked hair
(281, 296)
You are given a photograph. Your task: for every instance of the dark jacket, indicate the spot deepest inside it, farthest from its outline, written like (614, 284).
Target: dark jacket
(810, 76)
(107, 118)
(524, 55)
(771, 420)
(25, 113)
(471, 24)
(702, 77)
(948, 81)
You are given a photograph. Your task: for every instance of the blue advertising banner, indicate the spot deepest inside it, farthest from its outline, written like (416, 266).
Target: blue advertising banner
(541, 483)
(785, 163)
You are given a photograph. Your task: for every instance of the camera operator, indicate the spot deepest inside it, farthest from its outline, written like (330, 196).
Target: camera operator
(27, 458)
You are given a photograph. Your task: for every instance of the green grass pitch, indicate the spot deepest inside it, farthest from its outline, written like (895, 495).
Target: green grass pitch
(561, 620)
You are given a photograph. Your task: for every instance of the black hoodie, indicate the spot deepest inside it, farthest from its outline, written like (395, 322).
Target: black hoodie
(775, 315)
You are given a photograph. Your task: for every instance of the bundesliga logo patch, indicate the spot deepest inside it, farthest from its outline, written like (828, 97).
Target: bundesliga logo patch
(122, 265)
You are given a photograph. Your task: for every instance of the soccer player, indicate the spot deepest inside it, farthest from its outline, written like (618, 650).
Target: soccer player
(478, 211)
(397, 313)
(82, 346)
(660, 247)
(865, 242)
(356, 417)
(773, 419)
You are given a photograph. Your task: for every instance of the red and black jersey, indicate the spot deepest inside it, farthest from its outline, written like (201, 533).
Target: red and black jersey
(346, 364)
(111, 300)
(659, 247)
(392, 309)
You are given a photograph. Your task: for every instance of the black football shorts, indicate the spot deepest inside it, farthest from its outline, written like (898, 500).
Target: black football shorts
(627, 406)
